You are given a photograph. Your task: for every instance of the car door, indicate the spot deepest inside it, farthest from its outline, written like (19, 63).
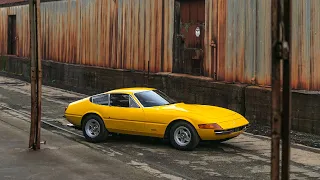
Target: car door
(157, 119)
(125, 115)
(157, 114)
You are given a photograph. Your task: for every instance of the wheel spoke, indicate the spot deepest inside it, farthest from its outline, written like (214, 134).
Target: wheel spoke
(92, 128)
(182, 136)
(184, 140)
(187, 139)
(188, 136)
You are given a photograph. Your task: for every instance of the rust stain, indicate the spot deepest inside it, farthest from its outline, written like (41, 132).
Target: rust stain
(221, 39)
(127, 34)
(215, 39)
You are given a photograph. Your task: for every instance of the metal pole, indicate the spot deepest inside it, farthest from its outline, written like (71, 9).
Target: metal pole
(286, 104)
(33, 75)
(39, 72)
(36, 74)
(281, 24)
(276, 115)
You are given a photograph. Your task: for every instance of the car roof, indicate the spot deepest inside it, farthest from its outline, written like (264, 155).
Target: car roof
(131, 90)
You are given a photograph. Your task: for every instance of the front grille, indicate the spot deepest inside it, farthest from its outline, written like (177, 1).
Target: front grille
(229, 131)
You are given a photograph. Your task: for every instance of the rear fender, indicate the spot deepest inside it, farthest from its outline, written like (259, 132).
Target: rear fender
(95, 113)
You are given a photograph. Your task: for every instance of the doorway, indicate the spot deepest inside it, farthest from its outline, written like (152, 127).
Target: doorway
(189, 36)
(12, 35)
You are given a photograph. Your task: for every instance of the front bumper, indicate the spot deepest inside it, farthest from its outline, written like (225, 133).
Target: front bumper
(230, 131)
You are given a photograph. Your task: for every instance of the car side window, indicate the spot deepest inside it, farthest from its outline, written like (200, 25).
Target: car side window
(102, 99)
(122, 100)
(132, 103)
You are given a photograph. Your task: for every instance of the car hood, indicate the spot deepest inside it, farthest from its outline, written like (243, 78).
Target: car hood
(207, 112)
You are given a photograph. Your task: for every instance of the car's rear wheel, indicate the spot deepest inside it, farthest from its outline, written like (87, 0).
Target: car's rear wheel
(93, 129)
(183, 136)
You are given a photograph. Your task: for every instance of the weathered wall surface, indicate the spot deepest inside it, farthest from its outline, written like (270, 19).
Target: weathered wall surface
(254, 102)
(120, 34)
(248, 43)
(305, 108)
(126, 34)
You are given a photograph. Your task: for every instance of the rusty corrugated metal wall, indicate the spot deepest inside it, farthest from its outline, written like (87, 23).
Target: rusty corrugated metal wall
(108, 33)
(3, 31)
(306, 44)
(216, 19)
(127, 33)
(248, 43)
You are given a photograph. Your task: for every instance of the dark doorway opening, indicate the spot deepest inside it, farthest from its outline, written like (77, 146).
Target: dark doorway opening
(12, 34)
(189, 36)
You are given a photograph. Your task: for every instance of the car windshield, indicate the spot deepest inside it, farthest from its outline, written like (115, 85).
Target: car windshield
(154, 98)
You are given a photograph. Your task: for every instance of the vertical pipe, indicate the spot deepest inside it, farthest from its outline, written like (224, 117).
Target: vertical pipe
(276, 116)
(286, 104)
(33, 74)
(39, 72)
(36, 74)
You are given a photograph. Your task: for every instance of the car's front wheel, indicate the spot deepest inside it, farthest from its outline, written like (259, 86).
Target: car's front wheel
(93, 129)
(183, 136)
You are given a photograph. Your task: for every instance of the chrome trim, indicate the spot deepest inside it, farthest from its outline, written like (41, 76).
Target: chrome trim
(224, 132)
(229, 131)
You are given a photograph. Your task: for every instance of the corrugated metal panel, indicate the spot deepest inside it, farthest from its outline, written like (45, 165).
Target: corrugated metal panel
(117, 34)
(262, 63)
(216, 14)
(3, 30)
(315, 45)
(306, 44)
(241, 29)
(249, 58)
(241, 41)
(211, 9)
(139, 35)
(168, 31)
(246, 56)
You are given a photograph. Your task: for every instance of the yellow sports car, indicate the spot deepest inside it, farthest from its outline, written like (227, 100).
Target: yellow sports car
(150, 112)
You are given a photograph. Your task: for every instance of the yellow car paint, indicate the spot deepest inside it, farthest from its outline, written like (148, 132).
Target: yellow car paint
(153, 121)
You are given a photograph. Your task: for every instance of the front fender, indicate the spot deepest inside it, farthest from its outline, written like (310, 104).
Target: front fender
(189, 120)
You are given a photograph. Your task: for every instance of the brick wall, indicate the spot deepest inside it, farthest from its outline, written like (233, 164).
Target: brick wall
(251, 101)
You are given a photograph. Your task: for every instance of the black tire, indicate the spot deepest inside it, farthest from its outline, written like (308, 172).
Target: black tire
(195, 139)
(101, 136)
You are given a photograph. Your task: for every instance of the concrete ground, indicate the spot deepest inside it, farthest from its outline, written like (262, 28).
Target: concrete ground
(68, 156)
(60, 158)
